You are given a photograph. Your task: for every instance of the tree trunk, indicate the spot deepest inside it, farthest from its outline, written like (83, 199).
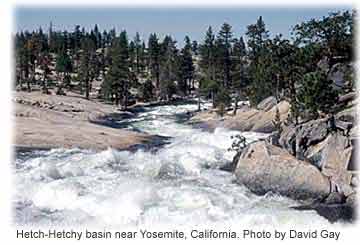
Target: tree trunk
(236, 104)
(87, 89)
(117, 100)
(28, 85)
(213, 98)
(277, 88)
(44, 86)
(28, 81)
(199, 104)
(125, 101)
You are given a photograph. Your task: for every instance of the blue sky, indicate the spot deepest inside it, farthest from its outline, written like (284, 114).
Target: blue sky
(177, 22)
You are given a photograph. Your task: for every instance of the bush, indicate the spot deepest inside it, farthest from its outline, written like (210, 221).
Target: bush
(316, 94)
(238, 144)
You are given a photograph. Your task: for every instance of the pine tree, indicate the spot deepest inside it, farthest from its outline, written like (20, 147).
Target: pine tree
(147, 91)
(97, 35)
(169, 68)
(44, 62)
(224, 45)
(258, 69)
(22, 59)
(88, 68)
(154, 59)
(186, 72)
(238, 70)
(117, 80)
(257, 35)
(139, 52)
(316, 95)
(333, 34)
(63, 68)
(194, 47)
(207, 55)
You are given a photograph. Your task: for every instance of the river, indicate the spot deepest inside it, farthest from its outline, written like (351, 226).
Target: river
(179, 183)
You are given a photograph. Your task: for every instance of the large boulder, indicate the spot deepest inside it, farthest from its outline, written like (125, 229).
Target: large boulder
(267, 103)
(264, 122)
(258, 120)
(243, 120)
(266, 168)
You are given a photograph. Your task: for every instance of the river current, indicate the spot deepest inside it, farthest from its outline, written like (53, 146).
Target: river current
(180, 183)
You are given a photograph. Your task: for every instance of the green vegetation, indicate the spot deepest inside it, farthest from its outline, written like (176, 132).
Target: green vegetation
(221, 67)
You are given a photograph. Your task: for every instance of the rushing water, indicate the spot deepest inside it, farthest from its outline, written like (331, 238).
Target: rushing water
(179, 184)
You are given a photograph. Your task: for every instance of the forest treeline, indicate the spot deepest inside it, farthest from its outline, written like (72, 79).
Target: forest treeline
(220, 67)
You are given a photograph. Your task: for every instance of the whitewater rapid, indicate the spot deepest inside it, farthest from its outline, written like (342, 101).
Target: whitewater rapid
(178, 184)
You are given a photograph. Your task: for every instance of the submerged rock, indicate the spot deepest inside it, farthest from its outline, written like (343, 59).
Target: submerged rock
(266, 168)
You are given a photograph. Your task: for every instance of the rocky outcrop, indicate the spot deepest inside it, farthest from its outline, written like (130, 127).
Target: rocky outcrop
(44, 121)
(246, 119)
(260, 121)
(297, 139)
(328, 147)
(266, 168)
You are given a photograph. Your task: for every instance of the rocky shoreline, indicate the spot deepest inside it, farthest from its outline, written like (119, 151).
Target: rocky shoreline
(313, 161)
(55, 121)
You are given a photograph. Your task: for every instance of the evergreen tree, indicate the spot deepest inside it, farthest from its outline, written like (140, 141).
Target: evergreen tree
(209, 88)
(63, 68)
(139, 54)
(88, 67)
(207, 55)
(224, 45)
(333, 34)
(186, 72)
(98, 38)
(147, 91)
(258, 69)
(316, 95)
(117, 80)
(22, 59)
(169, 68)
(238, 71)
(194, 47)
(257, 35)
(154, 59)
(44, 62)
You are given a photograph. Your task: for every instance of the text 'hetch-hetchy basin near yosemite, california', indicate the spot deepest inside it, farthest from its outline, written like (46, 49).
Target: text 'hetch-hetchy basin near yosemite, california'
(177, 234)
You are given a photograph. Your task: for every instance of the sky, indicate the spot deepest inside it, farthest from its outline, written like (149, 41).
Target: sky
(177, 22)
